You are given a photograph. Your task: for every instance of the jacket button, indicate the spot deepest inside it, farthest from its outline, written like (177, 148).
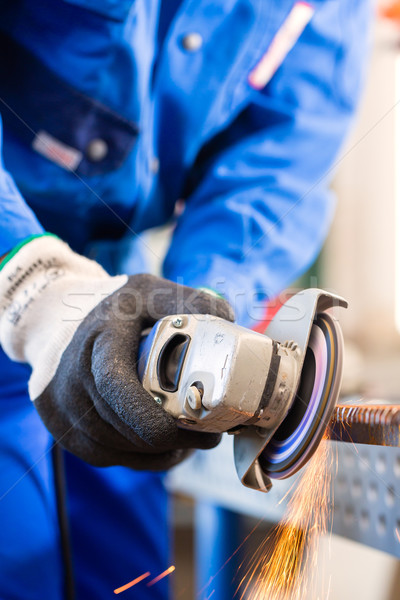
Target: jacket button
(96, 150)
(192, 42)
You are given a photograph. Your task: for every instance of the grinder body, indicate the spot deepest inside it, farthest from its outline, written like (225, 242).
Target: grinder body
(215, 376)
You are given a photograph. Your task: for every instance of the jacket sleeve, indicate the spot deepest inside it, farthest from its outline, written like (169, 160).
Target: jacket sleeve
(17, 220)
(259, 214)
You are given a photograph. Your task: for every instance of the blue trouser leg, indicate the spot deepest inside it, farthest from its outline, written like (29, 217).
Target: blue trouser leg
(30, 561)
(217, 540)
(118, 517)
(119, 530)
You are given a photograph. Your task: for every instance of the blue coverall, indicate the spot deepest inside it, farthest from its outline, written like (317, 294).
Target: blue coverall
(150, 102)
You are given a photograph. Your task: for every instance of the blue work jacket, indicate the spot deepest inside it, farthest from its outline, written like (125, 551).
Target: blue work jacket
(115, 112)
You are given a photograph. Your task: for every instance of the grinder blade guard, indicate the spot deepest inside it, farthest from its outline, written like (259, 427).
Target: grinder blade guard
(307, 320)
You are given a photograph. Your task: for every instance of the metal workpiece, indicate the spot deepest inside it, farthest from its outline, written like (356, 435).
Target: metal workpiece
(366, 486)
(373, 422)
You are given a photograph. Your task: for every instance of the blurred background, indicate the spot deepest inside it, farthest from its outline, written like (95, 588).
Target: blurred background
(212, 513)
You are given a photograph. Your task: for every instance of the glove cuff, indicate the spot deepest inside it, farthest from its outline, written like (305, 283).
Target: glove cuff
(46, 290)
(18, 247)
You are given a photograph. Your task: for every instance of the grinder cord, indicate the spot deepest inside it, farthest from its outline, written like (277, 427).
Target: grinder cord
(60, 487)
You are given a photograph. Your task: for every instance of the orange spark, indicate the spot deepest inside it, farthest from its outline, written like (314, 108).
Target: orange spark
(279, 571)
(397, 534)
(132, 583)
(170, 569)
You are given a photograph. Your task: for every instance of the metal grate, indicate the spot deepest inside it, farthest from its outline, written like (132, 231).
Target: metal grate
(366, 490)
(367, 496)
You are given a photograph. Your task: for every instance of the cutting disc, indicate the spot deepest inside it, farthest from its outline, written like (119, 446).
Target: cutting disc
(301, 432)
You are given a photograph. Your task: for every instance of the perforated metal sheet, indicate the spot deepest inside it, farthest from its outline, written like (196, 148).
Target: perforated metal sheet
(367, 496)
(366, 490)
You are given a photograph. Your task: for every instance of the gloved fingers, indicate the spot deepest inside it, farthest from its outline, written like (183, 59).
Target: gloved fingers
(156, 462)
(81, 426)
(137, 415)
(199, 302)
(93, 452)
(116, 380)
(105, 455)
(154, 298)
(200, 439)
(118, 394)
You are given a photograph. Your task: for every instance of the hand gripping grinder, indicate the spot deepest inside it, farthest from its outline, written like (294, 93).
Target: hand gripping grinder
(275, 391)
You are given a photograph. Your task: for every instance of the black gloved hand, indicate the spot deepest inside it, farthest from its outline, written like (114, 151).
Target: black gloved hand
(84, 383)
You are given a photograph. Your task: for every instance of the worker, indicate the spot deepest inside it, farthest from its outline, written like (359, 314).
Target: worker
(221, 118)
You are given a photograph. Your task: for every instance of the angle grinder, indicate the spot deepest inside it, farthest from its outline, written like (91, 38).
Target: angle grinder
(274, 391)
